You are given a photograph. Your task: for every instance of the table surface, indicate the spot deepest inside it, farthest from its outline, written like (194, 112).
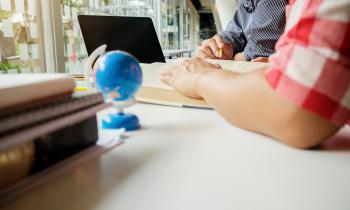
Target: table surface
(193, 159)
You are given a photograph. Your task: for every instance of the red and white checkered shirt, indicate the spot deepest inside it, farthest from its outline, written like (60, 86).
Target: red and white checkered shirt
(311, 66)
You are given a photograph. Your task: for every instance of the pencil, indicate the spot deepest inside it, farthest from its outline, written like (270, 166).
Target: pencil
(220, 52)
(81, 89)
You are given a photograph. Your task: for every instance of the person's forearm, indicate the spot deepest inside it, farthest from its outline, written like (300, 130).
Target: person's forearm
(247, 101)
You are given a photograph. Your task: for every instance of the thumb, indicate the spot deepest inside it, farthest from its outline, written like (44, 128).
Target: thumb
(219, 41)
(261, 59)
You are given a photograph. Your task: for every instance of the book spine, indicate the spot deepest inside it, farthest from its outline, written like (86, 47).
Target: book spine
(53, 147)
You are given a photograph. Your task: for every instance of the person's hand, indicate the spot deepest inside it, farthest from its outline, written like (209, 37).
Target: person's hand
(183, 75)
(239, 57)
(197, 65)
(210, 49)
(178, 77)
(261, 59)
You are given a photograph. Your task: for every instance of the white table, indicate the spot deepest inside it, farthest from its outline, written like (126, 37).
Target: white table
(192, 159)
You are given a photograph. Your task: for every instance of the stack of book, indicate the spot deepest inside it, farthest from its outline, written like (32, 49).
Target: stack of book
(42, 121)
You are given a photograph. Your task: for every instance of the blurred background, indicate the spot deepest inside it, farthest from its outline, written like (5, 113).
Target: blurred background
(38, 36)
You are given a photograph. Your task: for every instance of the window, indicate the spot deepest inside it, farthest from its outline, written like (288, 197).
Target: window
(44, 35)
(169, 24)
(190, 27)
(74, 49)
(20, 37)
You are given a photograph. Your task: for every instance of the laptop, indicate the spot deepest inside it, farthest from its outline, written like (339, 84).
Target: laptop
(135, 35)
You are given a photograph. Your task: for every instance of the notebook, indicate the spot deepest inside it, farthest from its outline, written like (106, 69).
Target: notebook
(21, 89)
(155, 92)
(62, 105)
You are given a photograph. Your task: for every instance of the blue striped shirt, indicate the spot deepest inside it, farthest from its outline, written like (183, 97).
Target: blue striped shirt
(256, 27)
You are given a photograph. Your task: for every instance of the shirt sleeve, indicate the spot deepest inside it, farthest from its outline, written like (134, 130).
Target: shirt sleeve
(311, 67)
(234, 33)
(268, 21)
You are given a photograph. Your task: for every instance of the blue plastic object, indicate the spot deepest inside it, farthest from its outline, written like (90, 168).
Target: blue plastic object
(118, 76)
(121, 120)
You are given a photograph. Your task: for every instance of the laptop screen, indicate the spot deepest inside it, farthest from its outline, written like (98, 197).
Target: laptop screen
(135, 35)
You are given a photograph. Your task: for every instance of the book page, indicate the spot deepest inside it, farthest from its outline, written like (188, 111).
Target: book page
(151, 77)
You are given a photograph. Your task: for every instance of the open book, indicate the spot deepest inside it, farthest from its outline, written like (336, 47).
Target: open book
(155, 92)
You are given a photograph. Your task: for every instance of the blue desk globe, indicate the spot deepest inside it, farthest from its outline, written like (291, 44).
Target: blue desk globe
(118, 76)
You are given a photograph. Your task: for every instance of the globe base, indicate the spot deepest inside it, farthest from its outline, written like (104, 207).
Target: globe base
(121, 120)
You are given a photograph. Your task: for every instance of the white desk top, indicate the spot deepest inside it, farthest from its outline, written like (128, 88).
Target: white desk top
(192, 159)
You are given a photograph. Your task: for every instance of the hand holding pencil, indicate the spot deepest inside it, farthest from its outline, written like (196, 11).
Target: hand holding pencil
(215, 48)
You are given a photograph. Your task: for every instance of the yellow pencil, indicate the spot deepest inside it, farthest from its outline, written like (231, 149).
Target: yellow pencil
(220, 52)
(81, 89)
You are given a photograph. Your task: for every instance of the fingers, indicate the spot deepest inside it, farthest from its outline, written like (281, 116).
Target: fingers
(214, 47)
(201, 54)
(219, 42)
(261, 59)
(206, 52)
(227, 49)
(210, 48)
(166, 80)
(166, 73)
(166, 76)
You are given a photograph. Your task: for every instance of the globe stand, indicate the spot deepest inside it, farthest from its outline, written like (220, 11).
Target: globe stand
(119, 119)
